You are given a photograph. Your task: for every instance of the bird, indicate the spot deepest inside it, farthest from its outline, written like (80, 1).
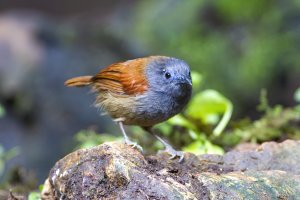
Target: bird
(143, 92)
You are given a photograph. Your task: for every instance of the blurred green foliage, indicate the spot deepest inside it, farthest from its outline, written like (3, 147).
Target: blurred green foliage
(207, 106)
(239, 47)
(36, 195)
(89, 138)
(277, 123)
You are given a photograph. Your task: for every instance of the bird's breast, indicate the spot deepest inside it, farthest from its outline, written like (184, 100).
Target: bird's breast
(146, 109)
(156, 107)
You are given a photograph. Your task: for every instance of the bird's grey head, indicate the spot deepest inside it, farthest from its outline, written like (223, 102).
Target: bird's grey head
(170, 76)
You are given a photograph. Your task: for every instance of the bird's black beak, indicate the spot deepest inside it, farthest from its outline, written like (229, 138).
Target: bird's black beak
(185, 81)
(189, 81)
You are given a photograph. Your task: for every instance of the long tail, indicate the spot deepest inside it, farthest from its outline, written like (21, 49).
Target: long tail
(79, 81)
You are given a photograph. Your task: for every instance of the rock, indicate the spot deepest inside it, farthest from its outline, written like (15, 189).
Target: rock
(117, 171)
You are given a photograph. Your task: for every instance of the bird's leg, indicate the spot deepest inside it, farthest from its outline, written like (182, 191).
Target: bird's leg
(126, 138)
(168, 148)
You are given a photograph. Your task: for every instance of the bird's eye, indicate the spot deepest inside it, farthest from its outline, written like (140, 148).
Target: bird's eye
(190, 74)
(167, 75)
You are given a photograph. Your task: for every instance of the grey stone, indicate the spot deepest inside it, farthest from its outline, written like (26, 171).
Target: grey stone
(117, 171)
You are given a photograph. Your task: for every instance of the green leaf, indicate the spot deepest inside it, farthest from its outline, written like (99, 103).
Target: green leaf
(41, 187)
(193, 134)
(34, 196)
(165, 128)
(203, 147)
(197, 79)
(179, 120)
(297, 95)
(208, 106)
(224, 121)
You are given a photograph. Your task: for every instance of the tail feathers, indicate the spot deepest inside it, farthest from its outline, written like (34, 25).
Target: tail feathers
(80, 81)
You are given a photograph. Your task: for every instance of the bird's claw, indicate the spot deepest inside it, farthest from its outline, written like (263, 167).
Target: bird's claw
(174, 153)
(134, 145)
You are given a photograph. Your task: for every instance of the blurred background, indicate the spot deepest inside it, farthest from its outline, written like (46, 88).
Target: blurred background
(238, 47)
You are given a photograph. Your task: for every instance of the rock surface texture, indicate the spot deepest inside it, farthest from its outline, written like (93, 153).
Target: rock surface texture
(116, 171)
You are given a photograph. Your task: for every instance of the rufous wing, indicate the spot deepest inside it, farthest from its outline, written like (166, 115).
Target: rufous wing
(123, 78)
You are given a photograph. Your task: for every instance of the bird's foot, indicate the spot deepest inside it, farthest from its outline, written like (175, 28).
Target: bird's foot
(133, 145)
(173, 153)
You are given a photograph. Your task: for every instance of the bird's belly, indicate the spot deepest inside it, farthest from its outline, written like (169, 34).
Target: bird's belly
(119, 107)
(151, 110)
(141, 110)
